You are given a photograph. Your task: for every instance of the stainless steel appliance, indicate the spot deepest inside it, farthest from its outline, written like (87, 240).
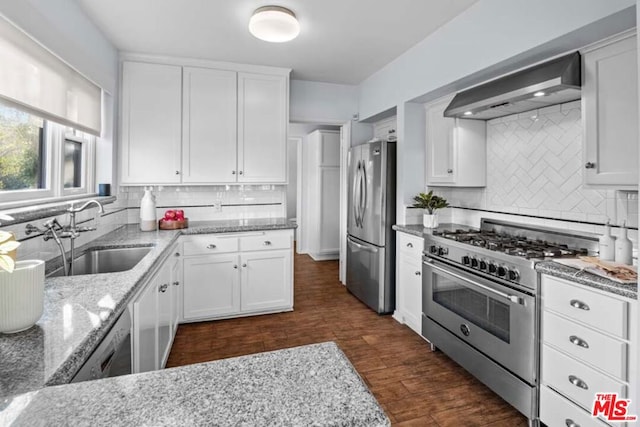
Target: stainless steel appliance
(371, 213)
(481, 302)
(112, 357)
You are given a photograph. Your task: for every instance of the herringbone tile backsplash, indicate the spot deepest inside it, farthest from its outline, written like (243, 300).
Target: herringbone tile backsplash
(534, 167)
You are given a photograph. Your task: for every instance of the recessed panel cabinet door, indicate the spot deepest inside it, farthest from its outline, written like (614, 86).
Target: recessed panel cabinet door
(266, 280)
(262, 128)
(211, 286)
(209, 126)
(151, 123)
(145, 331)
(165, 328)
(440, 149)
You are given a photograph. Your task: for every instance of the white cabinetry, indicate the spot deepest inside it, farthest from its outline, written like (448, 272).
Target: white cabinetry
(263, 118)
(321, 198)
(385, 128)
(155, 316)
(409, 281)
(610, 114)
(456, 149)
(203, 125)
(151, 123)
(209, 125)
(586, 349)
(238, 274)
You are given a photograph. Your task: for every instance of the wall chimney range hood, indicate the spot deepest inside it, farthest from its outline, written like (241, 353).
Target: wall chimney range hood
(553, 82)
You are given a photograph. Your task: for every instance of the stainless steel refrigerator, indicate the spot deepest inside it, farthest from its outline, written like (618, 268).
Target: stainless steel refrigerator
(372, 212)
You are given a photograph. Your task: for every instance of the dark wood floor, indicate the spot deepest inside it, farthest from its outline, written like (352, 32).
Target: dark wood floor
(415, 386)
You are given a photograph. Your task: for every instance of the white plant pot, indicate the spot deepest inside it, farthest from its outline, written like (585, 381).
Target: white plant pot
(21, 296)
(430, 220)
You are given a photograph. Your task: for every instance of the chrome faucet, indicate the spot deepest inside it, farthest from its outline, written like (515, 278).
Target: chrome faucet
(53, 230)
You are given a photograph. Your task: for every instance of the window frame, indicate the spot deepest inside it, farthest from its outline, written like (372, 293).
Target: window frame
(54, 137)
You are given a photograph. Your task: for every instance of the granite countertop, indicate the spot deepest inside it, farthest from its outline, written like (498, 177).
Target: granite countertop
(313, 385)
(420, 231)
(79, 310)
(587, 279)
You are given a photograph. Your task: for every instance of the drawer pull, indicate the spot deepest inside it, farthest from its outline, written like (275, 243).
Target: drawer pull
(163, 287)
(267, 243)
(578, 341)
(211, 246)
(579, 304)
(578, 382)
(244, 265)
(409, 245)
(176, 283)
(418, 273)
(570, 423)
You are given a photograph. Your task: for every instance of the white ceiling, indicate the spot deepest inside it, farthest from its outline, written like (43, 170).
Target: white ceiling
(341, 41)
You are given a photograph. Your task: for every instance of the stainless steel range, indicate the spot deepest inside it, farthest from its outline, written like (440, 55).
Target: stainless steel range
(480, 301)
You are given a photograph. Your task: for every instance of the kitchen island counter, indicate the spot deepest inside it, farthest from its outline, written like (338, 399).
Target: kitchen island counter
(313, 385)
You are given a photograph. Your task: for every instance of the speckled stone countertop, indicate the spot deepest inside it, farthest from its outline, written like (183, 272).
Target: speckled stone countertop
(420, 231)
(587, 279)
(313, 385)
(79, 310)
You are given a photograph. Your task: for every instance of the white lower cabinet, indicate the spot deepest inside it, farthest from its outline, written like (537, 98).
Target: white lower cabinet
(256, 278)
(155, 316)
(586, 349)
(409, 281)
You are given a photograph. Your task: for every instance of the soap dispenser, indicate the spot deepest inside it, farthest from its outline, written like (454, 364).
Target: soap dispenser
(623, 247)
(148, 219)
(607, 244)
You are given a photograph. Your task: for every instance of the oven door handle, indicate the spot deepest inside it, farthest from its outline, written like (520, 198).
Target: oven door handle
(513, 298)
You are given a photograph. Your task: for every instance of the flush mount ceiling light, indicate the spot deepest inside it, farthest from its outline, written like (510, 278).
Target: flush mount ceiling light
(274, 24)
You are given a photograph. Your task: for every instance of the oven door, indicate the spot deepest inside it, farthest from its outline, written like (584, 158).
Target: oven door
(495, 319)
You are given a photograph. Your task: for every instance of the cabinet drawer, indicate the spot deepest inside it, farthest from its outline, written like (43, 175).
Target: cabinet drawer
(210, 244)
(561, 372)
(584, 343)
(555, 410)
(411, 245)
(600, 311)
(265, 242)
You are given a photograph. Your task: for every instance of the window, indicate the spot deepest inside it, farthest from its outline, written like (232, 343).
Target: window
(41, 159)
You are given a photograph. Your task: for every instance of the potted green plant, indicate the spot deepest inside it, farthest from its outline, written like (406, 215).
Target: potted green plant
(21, 287)
(430, 203)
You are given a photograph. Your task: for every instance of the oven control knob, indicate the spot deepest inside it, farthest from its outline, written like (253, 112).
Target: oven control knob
(493, 268)
(502, 271)
(443, 251)
(433, 249)
(483, 265)
(513, 275)
(466, 260)
(464, 328)
(474, 262)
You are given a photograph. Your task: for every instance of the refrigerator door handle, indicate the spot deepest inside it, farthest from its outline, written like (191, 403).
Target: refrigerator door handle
(363, 206)
(363, 247)
(356, 178)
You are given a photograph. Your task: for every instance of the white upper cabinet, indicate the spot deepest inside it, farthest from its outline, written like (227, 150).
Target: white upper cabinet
(202, 124)
(456, 149)
(209, 126)
(151, 123)
(262, 128)
(610, 114)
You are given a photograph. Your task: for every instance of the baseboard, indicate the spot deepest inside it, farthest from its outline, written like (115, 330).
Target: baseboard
(326, 256)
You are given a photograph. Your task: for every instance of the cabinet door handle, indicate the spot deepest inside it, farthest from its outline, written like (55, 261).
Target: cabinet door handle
(163, 287)
(244, 265)
(235, 266)
(409, 245)
(578, 382)
(267, 243)
(418, 273)
(578, 341)
(570, 423)
(211, 246)
(590, 165)
(449, 171)
(176, 283)
(240, 173)
(233, 172)
(579, 304)
(177, 254)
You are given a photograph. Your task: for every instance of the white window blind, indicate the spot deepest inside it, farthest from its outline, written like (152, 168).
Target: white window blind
(33, 78)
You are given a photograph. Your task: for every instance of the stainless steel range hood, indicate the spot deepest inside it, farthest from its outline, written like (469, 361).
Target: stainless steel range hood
(553, 82)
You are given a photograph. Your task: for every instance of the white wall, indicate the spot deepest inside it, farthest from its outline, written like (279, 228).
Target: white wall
(322, 102)
(490, 38)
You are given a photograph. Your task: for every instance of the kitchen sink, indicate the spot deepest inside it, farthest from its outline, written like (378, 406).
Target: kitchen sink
(112, 260)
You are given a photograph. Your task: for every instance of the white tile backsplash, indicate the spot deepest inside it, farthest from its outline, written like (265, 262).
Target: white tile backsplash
(535, 166)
